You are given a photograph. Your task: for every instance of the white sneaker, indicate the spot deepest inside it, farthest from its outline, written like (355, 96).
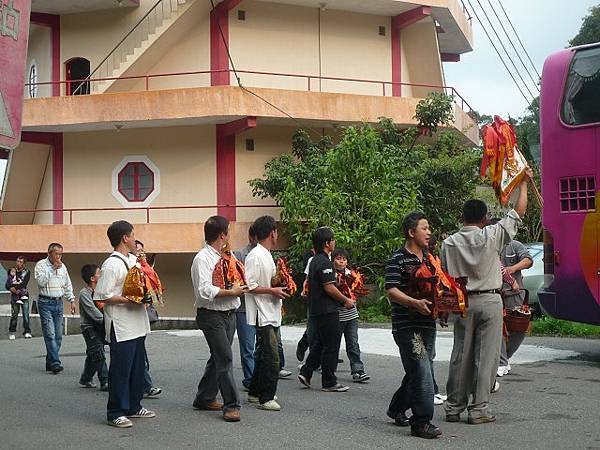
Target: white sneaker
(11, 337)
(142, 414)
(439, 399)
(121, 422)
(253, 399)
(495, 387)
(502, 370)
(271, 405)
(28, 336)
(19, 302)
(508, 369)
(284, 373)
(24, 297)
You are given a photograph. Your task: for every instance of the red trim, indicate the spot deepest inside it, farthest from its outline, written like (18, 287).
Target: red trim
(52, 21)
(226, 191)
(238, 126)
(219, 60)
(4, 154)
(35, 137)
(413, 16)
(57, 177)
(30, 257)
(136, 181)
(396, 63)
(449, 57)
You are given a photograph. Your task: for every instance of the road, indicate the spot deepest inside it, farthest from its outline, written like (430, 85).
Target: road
(550, 401)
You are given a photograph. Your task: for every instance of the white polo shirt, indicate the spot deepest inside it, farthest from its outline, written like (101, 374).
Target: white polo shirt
(261, 309)
(130, 320)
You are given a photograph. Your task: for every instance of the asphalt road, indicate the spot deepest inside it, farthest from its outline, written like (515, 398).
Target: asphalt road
(541, 405)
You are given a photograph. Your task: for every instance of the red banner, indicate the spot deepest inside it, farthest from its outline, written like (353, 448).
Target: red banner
(14, 34)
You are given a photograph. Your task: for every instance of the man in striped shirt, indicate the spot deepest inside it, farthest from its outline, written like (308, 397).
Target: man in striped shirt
(414, 331)
(54, 283)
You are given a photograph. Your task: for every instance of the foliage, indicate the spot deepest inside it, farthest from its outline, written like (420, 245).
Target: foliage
(548, 326)
(590, 29)
(364, 185)
(434, 111)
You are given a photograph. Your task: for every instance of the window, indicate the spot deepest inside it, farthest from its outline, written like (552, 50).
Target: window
(577, 194)
(33, 79)
(136, 181)
(581, 103)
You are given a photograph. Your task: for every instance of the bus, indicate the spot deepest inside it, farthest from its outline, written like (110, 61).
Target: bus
(570, 165)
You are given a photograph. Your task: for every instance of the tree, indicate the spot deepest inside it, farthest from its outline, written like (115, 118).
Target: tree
(590, 29)
(364, 186)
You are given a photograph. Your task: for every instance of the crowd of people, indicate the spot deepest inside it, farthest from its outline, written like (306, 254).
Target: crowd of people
(483, 252)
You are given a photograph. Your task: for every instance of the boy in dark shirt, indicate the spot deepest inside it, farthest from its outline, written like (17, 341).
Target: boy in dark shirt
(323, 300)
(92, 329)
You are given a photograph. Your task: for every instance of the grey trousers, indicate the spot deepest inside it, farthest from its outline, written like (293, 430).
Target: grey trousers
(475, 356)
(508, 349)
(218, 328)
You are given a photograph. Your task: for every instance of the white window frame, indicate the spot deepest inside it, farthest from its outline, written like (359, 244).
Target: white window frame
(115, 181)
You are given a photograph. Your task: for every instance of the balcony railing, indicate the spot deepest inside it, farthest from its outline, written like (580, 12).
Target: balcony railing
(146, 210)
(311, 82)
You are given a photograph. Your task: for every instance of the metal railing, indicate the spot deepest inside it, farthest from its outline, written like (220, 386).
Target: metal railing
(147, 25)
(147, 210)
(385, 86)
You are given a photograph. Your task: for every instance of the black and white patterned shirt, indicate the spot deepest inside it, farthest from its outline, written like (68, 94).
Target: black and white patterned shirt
(398, 271)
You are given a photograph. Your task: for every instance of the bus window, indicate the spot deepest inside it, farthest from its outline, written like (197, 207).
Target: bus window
(581, 103)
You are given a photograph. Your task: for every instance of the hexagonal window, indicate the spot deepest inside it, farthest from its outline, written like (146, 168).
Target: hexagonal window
(136, 181)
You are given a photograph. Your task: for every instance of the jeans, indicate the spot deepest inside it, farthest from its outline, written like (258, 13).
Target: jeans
(148, 383)
(125, 386)
(247, 338)
(14, 316)
(280, 349)
(266, 369)
(51, 317)
(349, 330)
(95, 360)
(218, 328)
(307, 337)
(416, 391)
(324, 349)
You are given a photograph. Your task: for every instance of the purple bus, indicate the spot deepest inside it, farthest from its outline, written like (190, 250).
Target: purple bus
(570, 142)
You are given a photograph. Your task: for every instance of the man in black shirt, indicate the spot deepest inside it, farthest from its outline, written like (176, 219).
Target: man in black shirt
(414, 331)
(323, 301)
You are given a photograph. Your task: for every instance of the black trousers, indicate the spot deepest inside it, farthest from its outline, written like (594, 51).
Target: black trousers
(324, 350)
(266, 364)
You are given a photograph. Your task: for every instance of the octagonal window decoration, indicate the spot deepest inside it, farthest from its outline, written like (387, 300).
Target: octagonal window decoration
(136, 181)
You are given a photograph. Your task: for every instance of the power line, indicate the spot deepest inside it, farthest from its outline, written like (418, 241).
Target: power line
(245, 89)
(498, 53)
(519, 39)
(504, 48)
(535, 83)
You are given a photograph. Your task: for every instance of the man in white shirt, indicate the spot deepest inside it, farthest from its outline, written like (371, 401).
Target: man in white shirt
(126, 324)
(263, 310)
(54, 283)
(215, 316)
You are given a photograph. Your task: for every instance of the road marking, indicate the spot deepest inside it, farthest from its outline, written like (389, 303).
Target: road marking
(5, 126)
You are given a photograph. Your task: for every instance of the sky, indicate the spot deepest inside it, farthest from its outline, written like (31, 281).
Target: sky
(544, 26)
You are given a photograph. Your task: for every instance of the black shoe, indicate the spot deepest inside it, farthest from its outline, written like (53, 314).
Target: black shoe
(57, 369)
(401, 420)
(340, 361)
(425, 431)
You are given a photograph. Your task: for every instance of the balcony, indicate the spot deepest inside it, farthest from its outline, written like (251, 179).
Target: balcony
(183, 98)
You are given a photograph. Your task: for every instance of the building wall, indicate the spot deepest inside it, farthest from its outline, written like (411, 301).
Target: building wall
(45, 199)
(25, 173)
(39, 51)
(421, 58)
(307, 41)
(269, 142)
(185, 157)
(93, 35)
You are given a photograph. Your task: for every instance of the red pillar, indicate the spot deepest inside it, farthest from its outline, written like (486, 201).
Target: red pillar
(226, 189)
(219, 41)
(57, 178)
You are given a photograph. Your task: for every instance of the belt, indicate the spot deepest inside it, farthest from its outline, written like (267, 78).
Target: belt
(46, 297)
(486, 291)
(220, 311)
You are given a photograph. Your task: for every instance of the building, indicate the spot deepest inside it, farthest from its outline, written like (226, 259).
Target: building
(132, 111)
